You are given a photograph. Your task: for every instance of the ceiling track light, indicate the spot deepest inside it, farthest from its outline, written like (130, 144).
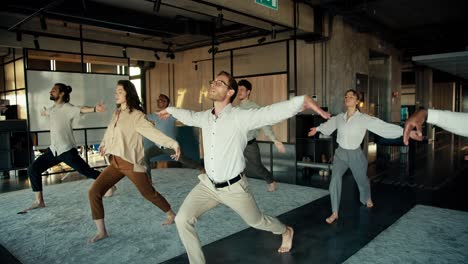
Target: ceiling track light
(124, 52)
(219, 19)
(36, 42)
(157, 6)
(43, 22)
(261, 40)
(156, 55)
(213, 50)
(170, 55)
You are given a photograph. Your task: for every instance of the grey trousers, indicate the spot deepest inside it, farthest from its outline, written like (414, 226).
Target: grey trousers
(357, 162)
(204, 197)
(253, 163)
(156, 151)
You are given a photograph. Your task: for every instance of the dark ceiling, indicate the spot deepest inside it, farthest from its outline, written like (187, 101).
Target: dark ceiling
(418, 27)
(183, 28)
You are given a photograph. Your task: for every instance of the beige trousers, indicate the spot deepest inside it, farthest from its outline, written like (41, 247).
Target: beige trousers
(204, 197)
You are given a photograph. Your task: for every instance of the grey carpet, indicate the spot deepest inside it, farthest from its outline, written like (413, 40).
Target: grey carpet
(58, 233)
(423, 235)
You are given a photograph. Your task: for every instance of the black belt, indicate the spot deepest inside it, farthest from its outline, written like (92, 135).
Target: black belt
(251, 141)
(226, 183)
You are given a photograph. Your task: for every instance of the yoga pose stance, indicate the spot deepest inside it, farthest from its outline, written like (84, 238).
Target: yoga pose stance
(123, 144)
(352, 126)
(62, 147)
(225, 132)
(253, 161)
(168, 128)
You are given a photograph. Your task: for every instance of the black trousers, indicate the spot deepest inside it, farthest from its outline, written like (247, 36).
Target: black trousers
(254, 165)
(47, 160)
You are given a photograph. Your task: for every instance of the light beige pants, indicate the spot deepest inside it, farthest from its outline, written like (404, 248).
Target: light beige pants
(204, 197)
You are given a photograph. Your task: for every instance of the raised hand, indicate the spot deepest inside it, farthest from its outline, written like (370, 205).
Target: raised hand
(163, 114)
(309, 103)
(279, 146)
(416, 120)
(176, 155)
(44, 111)
(312, 132)
(100, 107)
(102, 151)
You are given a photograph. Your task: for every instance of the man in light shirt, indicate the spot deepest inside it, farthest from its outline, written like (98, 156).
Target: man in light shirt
(456, 123)
(253, 161)
(168, 128)
(62, 147)
(225, 132)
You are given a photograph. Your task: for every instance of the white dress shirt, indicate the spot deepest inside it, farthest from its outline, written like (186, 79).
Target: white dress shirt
(454, 122)
(61, 127)
(351, 132)
(225, 137)
(247, 104)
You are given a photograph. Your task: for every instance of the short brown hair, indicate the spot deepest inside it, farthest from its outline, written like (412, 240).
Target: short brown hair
(232, 84)
(358, 96)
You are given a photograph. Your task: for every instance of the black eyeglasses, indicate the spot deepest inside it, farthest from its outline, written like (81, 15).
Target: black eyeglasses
(218, 83)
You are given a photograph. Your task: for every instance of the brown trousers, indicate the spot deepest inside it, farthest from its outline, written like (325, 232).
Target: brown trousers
(118, 169)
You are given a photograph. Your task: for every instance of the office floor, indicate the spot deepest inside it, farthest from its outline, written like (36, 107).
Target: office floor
(435, 174)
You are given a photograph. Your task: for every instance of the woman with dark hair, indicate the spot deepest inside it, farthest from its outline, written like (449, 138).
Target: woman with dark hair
(123, 144)
(352, 126)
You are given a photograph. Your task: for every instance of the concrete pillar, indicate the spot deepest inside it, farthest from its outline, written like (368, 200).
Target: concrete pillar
(424, 94)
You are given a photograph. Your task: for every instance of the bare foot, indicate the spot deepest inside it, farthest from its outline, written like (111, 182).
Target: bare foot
(97, 237)
(286, 244)
(35, 205)
(202, 171)
(170, 218)
(370, 204)
(110, 192)
(332, 218)
(272, 187)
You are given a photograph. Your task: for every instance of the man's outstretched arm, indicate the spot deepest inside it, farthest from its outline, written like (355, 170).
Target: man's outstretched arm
(189, 118)
(98, 108)
(454, 122)
(272, 114)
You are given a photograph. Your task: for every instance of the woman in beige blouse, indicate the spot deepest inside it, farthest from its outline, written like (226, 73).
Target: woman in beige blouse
(123, 144)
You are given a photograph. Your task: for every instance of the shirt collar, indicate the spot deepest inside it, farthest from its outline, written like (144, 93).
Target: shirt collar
(245, 101)
(357, 113)
(226, 110)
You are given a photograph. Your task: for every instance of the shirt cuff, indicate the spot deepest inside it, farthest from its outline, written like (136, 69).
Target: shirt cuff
(433, 116)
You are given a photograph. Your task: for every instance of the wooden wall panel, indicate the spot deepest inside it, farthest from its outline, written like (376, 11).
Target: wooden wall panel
(267, 90)
(443, 96)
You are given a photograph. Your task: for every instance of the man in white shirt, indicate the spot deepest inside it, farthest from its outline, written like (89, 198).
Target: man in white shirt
(456, 123)
(253, 160)
(225, 132)
(62, 147)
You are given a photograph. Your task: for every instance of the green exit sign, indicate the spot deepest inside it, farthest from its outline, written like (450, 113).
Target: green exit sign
(273, 4)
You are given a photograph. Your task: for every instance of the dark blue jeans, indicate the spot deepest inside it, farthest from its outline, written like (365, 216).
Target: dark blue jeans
(47, 160)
